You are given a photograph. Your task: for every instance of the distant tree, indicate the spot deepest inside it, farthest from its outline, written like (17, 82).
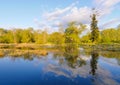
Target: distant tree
(72, 33)
(17, 35)
(56, 38)
(27, 36)
(44, 37)
(41, 37)
(111, 35)
(118, 35)
(2, 33)
(37, 36)
(86, 38)
(94, 29)
(8, 37)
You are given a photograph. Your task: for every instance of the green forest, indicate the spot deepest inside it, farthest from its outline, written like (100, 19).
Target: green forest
(71, 34)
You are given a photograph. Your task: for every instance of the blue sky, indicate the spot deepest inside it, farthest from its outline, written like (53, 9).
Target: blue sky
(41, 14)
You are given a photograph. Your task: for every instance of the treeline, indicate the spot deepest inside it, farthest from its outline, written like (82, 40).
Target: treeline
(30, 36)
(108, 36)
(71, 34)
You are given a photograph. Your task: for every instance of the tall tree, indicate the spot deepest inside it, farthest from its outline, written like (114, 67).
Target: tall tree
(94, 28)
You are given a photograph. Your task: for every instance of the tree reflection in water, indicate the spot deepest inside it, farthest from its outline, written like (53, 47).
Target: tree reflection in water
(72, 56)
(93, 62)
(68, 64)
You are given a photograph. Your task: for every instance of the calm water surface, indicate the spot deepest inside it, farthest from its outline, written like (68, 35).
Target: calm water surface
(65, 67)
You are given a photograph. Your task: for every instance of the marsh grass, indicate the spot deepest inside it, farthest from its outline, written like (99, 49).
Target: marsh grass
(42, 50)
(1, 53)
(101, 47)
(17, 52)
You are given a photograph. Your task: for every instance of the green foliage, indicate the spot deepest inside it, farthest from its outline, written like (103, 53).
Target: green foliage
(2, 33)
(110, 36)
(41, 37)
(18, 35)
(7, 36)
(56, 38)
(72, 33)
(37, 36)
(70, 36)
(71, 53)
(86, 38)
(27, 36)
(94, 29)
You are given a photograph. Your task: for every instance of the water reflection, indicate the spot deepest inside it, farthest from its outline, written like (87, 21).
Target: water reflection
(66, 65)
(93, 62)
(118, 60)
(72, 56)
(24, 54)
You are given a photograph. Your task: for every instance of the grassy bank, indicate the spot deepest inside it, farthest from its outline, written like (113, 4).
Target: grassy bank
(26, 46)
(102, 47)
(25, 49)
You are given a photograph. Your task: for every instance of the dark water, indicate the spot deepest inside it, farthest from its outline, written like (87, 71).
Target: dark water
(64, 67)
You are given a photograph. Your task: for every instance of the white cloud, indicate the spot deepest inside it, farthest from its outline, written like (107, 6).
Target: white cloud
(66, 15)
(105, 7)
(111, 22)
(102, 75)
(78, 14)
(58, 12)
(70, 14)
(106, 3)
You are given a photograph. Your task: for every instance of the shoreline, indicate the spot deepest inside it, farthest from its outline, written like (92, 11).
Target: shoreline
(33, 46)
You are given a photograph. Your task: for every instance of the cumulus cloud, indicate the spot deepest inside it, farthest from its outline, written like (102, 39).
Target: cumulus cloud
(69, 14)
(62, 16)
(78, 15)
